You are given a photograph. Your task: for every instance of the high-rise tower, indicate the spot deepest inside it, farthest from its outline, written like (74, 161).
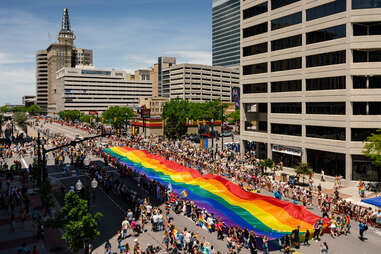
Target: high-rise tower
(226, 32)
(58, 55)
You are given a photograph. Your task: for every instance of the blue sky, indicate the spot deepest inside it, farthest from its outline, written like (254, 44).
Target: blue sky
(125, 34)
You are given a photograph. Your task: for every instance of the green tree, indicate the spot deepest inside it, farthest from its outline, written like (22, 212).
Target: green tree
(121, 114)
(19, 109)
(33, 109)
(175, 114)
(80, 226)
(85, 118)
(62, 115)
(4, 109)
(72, 115)
(20, 117)
(269, 163)
(45, 191)
(303, 169)
(234, 117)
(372, 146)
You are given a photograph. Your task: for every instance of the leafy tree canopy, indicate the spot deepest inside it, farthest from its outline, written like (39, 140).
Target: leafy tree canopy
(118, 113)
(20, 117)
(372, 147)
(33, 109)
(4, 109)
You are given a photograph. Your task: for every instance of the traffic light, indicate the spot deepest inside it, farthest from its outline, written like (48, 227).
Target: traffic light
(91, 119)
(103, 120)
(118, 132)
(103, 131)
(115, 119)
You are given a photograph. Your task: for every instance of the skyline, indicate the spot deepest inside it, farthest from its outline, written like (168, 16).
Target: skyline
(120, 33)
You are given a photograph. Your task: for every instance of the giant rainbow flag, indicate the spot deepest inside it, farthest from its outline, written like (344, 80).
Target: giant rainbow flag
(266, 215)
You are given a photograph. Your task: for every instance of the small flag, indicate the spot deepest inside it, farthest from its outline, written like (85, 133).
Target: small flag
(184, 193)
(175, 235)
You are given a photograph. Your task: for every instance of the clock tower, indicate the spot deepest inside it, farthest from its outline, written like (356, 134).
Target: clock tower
(66, 36)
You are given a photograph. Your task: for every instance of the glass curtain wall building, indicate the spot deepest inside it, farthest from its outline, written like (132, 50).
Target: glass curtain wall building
(311, 82)
(226, 32)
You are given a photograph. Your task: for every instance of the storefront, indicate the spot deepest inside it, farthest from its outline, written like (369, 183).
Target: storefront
(333, 164)
(290, 156)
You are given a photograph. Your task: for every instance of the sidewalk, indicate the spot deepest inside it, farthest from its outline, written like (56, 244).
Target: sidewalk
(25, 233)
(349, 191)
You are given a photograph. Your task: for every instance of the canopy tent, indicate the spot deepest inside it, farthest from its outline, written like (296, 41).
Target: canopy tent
(373, 201)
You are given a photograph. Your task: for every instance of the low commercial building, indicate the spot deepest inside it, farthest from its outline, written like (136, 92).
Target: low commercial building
(28, 100)
(200, 83)
(155, 104)
(94, 90)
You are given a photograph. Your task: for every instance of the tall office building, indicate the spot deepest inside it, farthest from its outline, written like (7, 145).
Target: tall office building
(158, 88)
(42, 80)
(59, 55)
(311, 82)
(226, 32)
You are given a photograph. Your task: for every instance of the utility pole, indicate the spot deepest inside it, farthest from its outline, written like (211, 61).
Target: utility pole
(222, 127)
(213, 138)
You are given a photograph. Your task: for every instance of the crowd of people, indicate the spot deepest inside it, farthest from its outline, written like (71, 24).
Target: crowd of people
(242, 169)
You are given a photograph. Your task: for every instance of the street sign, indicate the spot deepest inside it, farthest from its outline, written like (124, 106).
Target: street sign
(145, 112)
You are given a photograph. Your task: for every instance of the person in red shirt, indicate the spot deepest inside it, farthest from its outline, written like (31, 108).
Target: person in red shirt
(219, 229)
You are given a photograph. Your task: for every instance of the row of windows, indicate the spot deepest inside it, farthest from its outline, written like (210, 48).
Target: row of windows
(365, 4)
(286, 21)
(286, 64)
(287, 42)
(286, 129)
(330, 83)
(255, 10)
(363, 56)
(275, 4)
(286, 86)
(366, 108)
(287, 108)
(255, 88)
(325, 132)
(326, 108)
(254, 69)
(255, 49)
(326, 34)
(254, 30)
(369, 28)
(362, 82)
(326, 9)
(330, 58)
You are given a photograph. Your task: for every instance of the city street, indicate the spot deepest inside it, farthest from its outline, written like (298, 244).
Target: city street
(114, 209)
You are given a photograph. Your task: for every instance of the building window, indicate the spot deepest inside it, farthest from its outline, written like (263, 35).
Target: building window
(360, 134)
(326, 108)
(275, 4)
(366, 108)
(364, 56)
(330, 33)
(255, 88)
(255, 30)
(368, 28)
(363, 82)
(287, 108)
(330, 83)
(333, 164)
(255, 69)
(363, 169)
(255, 10)
(255, 49)
(366, 4)
(326, 9)
(359, 82)
(289, 42)
(325, 132)
(286, 129)
(286, 21)
(330, 58)
(286, 64)
(286, 86)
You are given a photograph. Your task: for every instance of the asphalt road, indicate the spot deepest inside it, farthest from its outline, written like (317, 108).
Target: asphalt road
(114, 209)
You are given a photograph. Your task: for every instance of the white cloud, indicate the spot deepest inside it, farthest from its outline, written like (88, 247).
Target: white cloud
(10, 59)
(14, 83)
(192, 56)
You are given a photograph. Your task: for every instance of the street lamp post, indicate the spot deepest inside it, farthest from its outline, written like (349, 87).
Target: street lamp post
(222, 127)
(213, 138)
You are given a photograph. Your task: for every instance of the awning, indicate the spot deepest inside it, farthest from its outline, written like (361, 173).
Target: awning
(373, 201)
